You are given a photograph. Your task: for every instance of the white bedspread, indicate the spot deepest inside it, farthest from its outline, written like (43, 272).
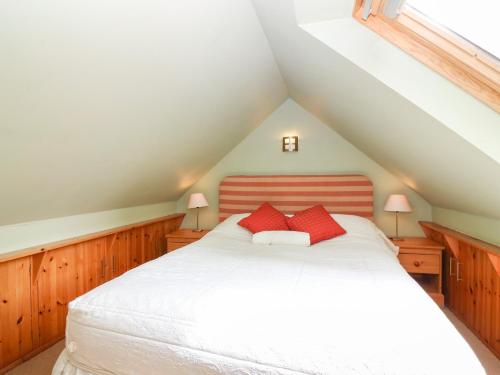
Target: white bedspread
(226, 306)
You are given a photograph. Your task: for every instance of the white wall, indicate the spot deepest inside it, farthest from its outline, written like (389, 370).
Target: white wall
(108, 104)
(321, 150)
(435, 137)
(35, 233)
(484, 228)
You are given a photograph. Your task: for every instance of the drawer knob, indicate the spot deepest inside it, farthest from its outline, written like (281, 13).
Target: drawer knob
(417, 263)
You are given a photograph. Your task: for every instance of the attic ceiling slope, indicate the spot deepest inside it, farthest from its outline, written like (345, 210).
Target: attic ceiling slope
(426, 154)
(119, 103)
(332, 23)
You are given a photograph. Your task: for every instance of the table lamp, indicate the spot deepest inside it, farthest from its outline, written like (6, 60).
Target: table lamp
(397, 203)
(197, 200)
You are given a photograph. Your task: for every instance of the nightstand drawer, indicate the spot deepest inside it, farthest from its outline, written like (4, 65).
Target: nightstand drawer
(183, 237)
(420, 263)
(176, 244)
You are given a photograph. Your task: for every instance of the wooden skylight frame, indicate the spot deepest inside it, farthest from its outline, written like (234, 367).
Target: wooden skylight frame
(446, 53)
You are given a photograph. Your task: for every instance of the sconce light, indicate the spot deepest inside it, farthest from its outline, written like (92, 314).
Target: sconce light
(290, 144)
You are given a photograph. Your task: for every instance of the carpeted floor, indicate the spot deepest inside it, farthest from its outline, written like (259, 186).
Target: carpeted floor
(42, 363)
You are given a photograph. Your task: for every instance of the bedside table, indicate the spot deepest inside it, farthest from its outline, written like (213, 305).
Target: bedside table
(182, 237)
(422, 259)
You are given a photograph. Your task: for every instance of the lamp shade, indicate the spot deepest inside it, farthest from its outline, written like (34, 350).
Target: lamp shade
(197, 200)
(397, 203)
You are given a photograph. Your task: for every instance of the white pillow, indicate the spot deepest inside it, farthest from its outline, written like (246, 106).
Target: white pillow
(230, 228)
(281, 237)
(355, 224)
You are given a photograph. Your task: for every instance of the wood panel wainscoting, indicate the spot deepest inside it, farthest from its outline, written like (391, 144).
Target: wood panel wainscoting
(471, 282)
(37, 284)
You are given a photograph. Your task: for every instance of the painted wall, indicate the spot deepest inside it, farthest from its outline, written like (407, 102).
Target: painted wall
(20, 236)
(479, 227)
(400, 113)
(322, 150)
(104, 103)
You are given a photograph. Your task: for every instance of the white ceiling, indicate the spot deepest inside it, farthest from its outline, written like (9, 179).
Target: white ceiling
(451, 164)
(108, 104)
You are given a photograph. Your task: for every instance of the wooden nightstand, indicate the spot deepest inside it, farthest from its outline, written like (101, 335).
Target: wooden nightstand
(422, 259)
(182, 237)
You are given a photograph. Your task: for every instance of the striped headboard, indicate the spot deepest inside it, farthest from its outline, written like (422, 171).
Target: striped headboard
(347, 194)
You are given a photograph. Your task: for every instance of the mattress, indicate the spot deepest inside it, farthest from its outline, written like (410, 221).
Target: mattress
(226, 306)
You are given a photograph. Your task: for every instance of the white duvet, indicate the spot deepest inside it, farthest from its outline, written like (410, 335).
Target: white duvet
(226, 306)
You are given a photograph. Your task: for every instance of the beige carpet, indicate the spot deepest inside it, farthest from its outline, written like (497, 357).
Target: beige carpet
(42, 363)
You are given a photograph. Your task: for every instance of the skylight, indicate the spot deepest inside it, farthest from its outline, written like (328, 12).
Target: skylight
(477, 21)
(459, 39)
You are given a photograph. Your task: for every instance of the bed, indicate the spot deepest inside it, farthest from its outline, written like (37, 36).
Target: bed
(223, 305)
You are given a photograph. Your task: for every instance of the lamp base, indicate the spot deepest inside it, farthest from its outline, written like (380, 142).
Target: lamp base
(397, 238)
(197, 230)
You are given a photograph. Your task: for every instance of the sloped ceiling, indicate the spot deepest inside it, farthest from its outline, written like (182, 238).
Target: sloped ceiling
(446, 147)
(121, 103)
(109, 104)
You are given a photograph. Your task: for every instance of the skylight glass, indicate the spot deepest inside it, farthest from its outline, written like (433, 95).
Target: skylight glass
(476, 21)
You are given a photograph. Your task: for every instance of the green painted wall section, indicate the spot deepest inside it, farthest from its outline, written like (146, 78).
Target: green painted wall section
(483, 228)
(21, 236)
(321, 150)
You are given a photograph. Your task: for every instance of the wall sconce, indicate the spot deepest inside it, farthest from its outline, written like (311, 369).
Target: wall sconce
(290, 144)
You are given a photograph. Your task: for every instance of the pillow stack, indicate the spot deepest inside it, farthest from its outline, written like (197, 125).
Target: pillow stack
(315, 221)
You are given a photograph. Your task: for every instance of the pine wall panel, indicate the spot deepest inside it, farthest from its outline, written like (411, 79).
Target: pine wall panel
(36, 287)
(471, 282)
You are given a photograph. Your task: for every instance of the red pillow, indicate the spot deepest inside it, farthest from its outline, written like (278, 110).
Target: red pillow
(317, 222)
(266, 217)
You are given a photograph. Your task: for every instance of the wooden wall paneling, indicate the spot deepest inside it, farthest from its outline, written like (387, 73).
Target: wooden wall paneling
(101, 268)
(495, 320)
(118, 254)
(111, 242)
(122, 256)
(136, 250)
(83, 257)
(448, 279)
(56, 287)
(36, 269)
(450, 283)
(480, 279)
(66, 285)
(159, 239)
(15, 310)
(149, 245)
(37, 286)
(472, 291)
(495, 262)
(44, 290)
(89, 260)
(464, 279)
(487, 303)
(491, 324)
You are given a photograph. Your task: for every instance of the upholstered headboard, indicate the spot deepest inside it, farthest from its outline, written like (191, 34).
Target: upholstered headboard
(346, 194)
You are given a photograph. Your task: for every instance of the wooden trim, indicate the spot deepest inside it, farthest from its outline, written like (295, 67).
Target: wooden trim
(452, 44)
(451, 56)
(458, 236)
(86, 237)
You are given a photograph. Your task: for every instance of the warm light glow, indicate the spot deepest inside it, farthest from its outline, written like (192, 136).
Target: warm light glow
(290, 143)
